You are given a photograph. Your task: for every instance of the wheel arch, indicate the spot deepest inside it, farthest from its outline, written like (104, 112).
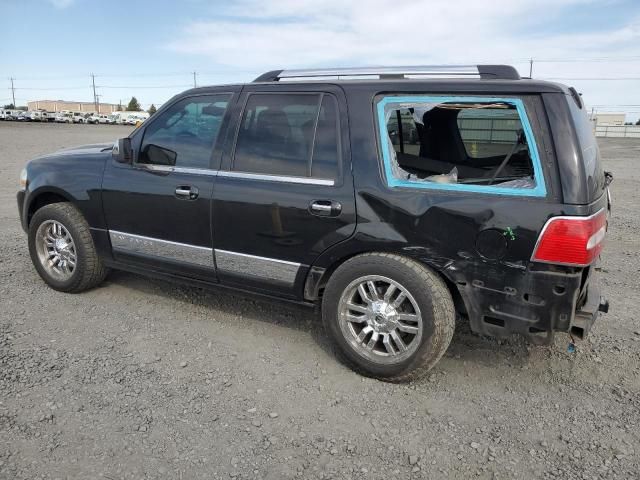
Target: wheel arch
(317, 277)
(42, 197)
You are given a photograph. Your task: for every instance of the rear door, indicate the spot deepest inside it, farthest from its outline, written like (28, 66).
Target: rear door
(285, 191)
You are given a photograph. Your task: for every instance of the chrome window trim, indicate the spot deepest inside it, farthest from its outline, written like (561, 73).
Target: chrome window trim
(196, 171)
(163, 249)
(252, 266)
(277, 178)
(171, 169)
(155, 168)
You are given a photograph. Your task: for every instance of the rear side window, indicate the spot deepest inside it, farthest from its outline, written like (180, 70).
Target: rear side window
(288, 134)
(588, 146)
(475, 144)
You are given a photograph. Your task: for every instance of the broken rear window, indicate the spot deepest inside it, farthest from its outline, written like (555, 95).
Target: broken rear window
(469, 143)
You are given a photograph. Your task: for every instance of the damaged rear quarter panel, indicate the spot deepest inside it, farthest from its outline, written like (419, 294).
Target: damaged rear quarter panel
(481, 243)
(483, 248)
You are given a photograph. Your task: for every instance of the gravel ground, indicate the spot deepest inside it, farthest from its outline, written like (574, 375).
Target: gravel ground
(144, 379)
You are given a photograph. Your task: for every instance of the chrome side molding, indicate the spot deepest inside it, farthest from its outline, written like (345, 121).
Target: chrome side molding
(234, 263)
(162, 249)
(261, 268)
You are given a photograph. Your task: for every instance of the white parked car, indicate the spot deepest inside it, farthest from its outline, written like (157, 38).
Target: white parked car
(105, 119)
(35, 116)
(79, 117)
(92, 118)
(129, 118)
(137, 118)
(64, 117)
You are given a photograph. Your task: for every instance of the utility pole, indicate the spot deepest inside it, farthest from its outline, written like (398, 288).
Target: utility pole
(531, 68)
(194, 80)
(98, 103)
(13, 93)
(95, 99)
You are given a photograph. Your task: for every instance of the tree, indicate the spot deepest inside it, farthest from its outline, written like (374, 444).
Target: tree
(152, 109)
(134, 105)
(10, 106)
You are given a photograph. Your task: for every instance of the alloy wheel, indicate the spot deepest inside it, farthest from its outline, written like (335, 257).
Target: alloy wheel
(380, 319)
(56, 249)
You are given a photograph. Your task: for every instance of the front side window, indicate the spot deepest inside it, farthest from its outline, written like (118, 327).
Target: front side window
(468, 143)
(185, 133)
(288, 134)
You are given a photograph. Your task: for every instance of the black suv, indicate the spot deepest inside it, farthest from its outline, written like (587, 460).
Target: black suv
(394, 198)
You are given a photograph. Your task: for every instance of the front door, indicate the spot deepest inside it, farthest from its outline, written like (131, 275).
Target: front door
(284, 193)
(158, 209)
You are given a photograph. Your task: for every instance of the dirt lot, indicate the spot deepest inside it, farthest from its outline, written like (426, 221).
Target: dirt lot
(144, 379)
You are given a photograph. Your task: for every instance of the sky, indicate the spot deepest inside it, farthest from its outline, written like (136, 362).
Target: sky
(150, 48)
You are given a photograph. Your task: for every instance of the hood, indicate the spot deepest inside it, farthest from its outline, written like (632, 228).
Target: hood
(83, 153)
(86, 149)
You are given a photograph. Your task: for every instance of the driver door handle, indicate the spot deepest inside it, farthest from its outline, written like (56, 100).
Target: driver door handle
(186, 192)
(325, 208)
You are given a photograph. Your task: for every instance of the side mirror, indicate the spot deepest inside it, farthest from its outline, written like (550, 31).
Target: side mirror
(122, 152)
(158, 155)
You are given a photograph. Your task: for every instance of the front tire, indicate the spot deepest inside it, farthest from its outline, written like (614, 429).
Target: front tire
(390, 317)
(62, 249)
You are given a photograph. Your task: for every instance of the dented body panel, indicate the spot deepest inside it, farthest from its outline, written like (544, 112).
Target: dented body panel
(481, 243)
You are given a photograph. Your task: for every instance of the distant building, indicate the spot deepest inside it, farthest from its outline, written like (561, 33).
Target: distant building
(60, 105)
(609, 119)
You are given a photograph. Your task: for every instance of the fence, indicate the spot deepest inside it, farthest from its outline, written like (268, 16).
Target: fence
(618, 131)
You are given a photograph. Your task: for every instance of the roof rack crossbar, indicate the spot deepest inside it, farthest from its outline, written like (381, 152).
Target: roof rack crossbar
(497, 72)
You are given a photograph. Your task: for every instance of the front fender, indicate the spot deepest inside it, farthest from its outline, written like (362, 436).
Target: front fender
(74, 178)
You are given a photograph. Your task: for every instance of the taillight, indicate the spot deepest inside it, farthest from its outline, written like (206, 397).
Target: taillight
(571, 240)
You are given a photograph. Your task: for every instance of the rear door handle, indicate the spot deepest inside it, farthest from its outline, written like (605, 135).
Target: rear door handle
(325, 208)
(186, 192)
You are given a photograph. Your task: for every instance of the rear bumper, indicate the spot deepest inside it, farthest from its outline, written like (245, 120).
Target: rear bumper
(535, 303)
(587, 313)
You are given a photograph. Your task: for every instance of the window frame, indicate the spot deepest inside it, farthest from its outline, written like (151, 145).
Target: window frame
(382, 101)
(231, 171)
(178, 168)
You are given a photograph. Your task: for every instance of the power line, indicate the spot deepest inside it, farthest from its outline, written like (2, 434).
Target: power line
(630, 58)
(50, 88)
(599, 79)
(143, 86)
(134, 75)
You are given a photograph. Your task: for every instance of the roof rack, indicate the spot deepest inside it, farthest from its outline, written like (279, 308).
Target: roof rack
(495, 72)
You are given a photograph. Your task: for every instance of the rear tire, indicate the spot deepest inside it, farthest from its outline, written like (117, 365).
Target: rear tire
(389, 317)
(62, 249)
